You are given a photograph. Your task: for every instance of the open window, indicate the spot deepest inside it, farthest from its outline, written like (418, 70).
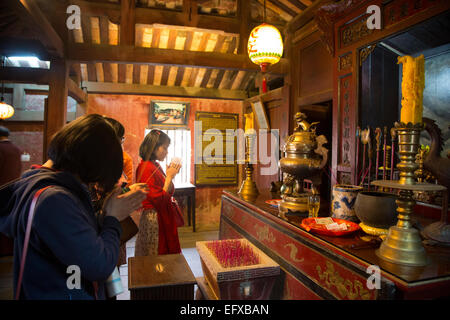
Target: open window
(180, 146)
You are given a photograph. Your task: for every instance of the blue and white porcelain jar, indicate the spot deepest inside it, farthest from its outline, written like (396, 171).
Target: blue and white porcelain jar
(343, 201)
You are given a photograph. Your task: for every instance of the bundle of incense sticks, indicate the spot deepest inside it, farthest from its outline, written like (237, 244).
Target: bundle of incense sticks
(233, 253)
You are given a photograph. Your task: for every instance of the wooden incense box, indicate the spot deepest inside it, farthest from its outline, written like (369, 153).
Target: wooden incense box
(248, 282)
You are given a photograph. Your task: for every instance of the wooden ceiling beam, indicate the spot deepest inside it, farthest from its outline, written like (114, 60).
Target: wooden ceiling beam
(126, 88)
(31, 15)
(40, 77)
(157, 16)
(25, 75)
(308, 14)
(87, 53)
(76, 92)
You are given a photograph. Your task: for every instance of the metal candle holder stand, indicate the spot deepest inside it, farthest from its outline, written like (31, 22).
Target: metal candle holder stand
(248, 189)
(403, 244)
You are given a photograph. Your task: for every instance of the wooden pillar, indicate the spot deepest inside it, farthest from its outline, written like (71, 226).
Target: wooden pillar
(55, 113)
(127, 22)
(190, 8)
(243, 13)
(18, 100)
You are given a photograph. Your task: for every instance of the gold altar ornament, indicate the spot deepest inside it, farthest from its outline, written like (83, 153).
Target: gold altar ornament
(304, 158)
(413, 83)
(248, 190)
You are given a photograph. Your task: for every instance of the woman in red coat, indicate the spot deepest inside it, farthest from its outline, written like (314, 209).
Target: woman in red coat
(158, 226)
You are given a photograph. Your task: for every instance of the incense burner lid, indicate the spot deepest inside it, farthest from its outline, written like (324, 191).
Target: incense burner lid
(303, 141)
(304, 154)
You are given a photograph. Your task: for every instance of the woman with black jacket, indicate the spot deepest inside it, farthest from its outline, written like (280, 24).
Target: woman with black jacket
(66, 234)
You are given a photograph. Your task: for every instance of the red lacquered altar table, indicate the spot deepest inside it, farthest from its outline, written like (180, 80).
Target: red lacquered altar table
(325, 267)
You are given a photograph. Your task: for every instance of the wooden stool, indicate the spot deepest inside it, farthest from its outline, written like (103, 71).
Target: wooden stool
(164, 277)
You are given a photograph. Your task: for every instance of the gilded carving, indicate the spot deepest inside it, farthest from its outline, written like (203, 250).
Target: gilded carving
(344, 177)
(287, 292)
(346, 146)
(346, 133)
(328, 14)
(263, 234)
(244, 220)
(293, 254)
(346, 159)
(346, 107)
(355, 32)
(365, 52)
(345, 62)
(346, 84)
(346, 288)
(228, 210)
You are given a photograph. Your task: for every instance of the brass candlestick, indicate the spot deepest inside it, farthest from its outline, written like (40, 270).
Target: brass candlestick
(408, 145)
(248, 189)
(403, 244)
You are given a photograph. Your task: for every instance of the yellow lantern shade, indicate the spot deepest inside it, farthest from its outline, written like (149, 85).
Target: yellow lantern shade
(6, 111)
(265, 45)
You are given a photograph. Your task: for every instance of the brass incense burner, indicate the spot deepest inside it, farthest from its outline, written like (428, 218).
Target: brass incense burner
(304, 158)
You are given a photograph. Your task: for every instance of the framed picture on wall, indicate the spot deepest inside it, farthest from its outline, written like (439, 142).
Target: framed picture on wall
(168, 114)
(260, 114)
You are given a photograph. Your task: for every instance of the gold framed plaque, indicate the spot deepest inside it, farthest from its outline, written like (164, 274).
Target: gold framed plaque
(216, 149)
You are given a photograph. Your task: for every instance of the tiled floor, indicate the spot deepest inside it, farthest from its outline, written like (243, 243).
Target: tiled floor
(187, 241)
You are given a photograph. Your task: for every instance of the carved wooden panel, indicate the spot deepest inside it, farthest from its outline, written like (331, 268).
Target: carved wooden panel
(344, 178)
(345, 61)
(353, 32)
(345, 120)
(397, 11)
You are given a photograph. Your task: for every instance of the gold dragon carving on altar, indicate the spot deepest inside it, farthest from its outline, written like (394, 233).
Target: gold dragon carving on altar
(293, 252)
(346, 288)
(263, 233)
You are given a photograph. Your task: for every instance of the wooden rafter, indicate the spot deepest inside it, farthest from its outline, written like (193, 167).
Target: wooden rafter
(304, 17)
(158, 16)
(127, 22)
(85, 53)
(40, 77)
(31, 15)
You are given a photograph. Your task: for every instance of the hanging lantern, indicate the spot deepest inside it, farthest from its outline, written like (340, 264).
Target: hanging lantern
(265, 47)
(6, 111)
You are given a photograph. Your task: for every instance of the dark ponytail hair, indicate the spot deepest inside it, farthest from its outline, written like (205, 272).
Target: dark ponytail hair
(152, 141)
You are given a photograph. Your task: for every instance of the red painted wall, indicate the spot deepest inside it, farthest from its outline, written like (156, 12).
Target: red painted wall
(132, 111)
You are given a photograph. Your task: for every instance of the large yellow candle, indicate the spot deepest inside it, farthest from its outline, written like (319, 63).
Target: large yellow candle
(413, 83)
(249, 126)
